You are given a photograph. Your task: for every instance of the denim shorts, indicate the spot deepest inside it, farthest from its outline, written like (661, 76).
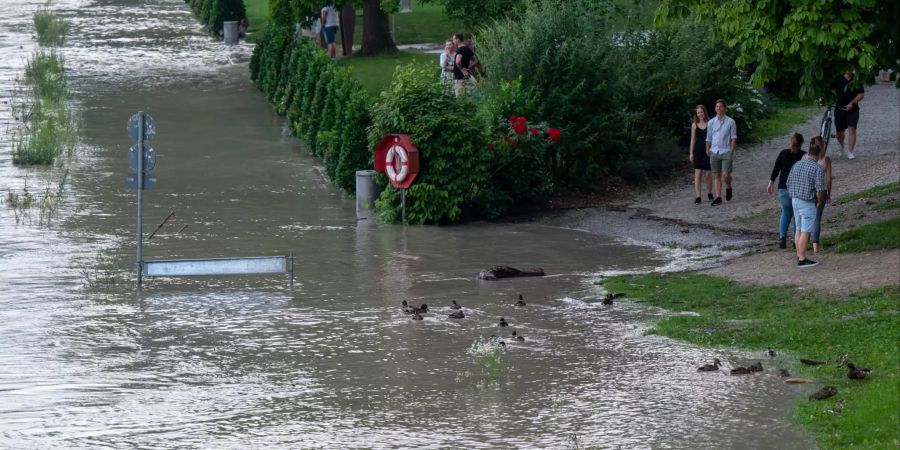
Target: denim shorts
(330, 33)
(804, 215)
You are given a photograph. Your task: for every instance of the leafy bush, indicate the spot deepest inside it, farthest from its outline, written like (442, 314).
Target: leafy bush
(213, 13)
(453, 164)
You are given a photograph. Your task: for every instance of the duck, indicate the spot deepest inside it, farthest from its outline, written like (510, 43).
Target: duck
(503, 322)
(608, 300)
(741, 371)
(407, 308)
(521, 301)
(770, 353)
(518, 337)
(756, 367)
(422, 309)
(825, 392)
(710, 367)
(811, 362)
(458, 314)
(455, 305)
(498, 341)
(784, 373)
(856, 373)
(416, 316)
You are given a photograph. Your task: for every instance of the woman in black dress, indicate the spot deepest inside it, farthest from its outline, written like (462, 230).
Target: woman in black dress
(698, 154)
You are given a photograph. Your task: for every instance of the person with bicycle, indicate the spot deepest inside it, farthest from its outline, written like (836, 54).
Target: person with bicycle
(846, 112)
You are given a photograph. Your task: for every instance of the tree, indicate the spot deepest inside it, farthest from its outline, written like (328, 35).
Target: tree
(475, 13)
(376, 21)
(815, 38)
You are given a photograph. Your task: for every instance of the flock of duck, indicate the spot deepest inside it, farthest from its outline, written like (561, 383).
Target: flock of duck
(853, 372)
(416, 314)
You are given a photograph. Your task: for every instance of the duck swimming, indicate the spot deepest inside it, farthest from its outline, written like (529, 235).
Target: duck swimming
(407, 308)
(458, 314)
(856, 373)
(521, 301)
(455, 305)
(518, 337)
(503, 322)
(756, 367)
(422, 309)
(416, 316)
(740, 371)
(770, 353)
(710, 367)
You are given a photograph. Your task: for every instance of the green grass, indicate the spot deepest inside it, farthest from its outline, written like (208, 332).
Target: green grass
(46, 75)
(375, 72)
(258, 16)
(865, 326)
(788, 115)
(877, 191)
(873, 236)
(51, 30)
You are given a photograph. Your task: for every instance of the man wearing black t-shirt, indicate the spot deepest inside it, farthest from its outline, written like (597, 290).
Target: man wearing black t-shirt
(461, 70)
(846, 113)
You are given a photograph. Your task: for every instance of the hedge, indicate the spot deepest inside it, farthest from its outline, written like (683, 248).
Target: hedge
(213, 13)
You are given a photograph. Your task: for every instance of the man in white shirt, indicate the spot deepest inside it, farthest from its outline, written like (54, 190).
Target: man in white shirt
(721, 141)
(330, 21)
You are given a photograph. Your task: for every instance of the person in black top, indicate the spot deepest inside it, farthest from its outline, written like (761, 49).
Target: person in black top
(783, 164)
(462, 69)
(846, 112)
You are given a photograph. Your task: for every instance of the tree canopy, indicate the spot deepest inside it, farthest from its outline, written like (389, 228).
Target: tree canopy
(814, 38)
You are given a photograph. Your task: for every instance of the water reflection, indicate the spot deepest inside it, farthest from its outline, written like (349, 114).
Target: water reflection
(248, 362)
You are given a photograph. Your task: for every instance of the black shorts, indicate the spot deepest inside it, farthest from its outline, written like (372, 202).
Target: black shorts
(844, 119)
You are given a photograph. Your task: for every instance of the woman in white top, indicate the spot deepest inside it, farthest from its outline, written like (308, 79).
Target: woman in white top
(825, 162)
(448, 59)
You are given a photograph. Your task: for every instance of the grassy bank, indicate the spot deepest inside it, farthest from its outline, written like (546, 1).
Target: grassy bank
(375, 72)
(258, 16)
(865, 326)
(787, 115)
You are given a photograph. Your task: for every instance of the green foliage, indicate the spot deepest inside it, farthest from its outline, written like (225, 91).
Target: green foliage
(453, 165)
(281, 13)
(213, 13)
(45, 73)
(863, 326)
(815, 38)
(873, 236)
(51, 29)
(324, 104)
(475, 13)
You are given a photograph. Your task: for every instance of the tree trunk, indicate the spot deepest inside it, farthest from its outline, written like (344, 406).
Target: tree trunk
(376, 30)
(348, 27)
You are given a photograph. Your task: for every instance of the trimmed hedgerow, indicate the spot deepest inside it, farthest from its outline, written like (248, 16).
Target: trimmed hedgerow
(213, 13)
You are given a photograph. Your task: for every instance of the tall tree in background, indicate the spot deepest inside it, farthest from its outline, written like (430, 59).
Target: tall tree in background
(376, 19)
(815, 38)
(475, 13)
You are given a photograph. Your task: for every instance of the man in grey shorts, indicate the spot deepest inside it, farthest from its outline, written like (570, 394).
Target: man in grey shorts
(806, 186)
(721, 141)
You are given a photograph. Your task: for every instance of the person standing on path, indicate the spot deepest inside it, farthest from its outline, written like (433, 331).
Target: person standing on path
(461, 70)
(448, 60)
(786, 159)
(330, 20)
(825, 162)
(721, 142)
(846, 111)
(806, 186)
(698, 154)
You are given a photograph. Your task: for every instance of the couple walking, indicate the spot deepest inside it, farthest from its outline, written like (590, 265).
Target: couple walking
(713, 142)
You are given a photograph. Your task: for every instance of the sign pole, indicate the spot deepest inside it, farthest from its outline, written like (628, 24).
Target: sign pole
(403, 205)
(140, 198)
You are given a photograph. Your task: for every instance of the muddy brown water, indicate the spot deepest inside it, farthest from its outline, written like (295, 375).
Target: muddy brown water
(242, 362)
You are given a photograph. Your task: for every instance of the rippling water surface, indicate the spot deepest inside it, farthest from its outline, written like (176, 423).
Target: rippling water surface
(248, 362)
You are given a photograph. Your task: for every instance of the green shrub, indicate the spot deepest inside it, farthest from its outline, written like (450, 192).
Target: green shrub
(51, 29)
(221, 11)
(46, 75)
(452, 161)
(280, 13)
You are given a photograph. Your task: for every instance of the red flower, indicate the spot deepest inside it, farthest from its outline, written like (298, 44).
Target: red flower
(507, 138)
(490, 146)
(514, 143)
(519, 127)
(522, 119)
(512, 118)
(534, 131)
(553, 134)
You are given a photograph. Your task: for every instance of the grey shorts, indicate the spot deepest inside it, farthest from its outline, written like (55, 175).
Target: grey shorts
(721, 162)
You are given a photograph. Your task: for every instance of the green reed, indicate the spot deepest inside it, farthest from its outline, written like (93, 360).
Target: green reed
(51, 29)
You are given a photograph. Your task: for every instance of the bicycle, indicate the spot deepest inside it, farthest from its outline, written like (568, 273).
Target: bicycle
(825, 127)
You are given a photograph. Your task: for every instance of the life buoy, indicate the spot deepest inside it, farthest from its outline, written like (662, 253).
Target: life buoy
(392, 173)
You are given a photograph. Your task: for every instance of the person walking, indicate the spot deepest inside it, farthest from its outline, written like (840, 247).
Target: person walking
(783, 163)
(721, 142)
(846, 111)
(698, 155)
(825, 162)
(806, 186)
(448, 60)
(461, 68)
(330, 21)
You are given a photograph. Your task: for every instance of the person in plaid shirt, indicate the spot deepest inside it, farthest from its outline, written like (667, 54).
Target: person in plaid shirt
(806, 186)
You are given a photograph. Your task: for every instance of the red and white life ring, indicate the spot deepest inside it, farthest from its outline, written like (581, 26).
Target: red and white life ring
(392, 173)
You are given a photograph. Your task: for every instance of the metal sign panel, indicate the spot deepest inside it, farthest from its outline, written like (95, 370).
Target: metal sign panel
(149, 127)
(217, 266)
(149, 158)
(149, 181)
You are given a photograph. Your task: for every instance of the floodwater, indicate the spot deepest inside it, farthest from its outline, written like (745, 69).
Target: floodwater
(86, 361)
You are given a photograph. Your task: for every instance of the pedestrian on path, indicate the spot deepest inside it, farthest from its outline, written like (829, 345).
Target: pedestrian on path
(825, 162)
(846, 111)
(330, 21)
(786, 159)
(806, 185)
(697, 153)
(721, 142)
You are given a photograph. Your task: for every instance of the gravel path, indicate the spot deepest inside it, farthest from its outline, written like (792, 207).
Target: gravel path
(750, 220)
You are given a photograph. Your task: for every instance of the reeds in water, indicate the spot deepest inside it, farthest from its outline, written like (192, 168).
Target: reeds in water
(51, 29)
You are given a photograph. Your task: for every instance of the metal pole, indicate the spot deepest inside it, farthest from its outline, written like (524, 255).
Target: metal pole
(140, 198)
(403, 205)
(291, 262)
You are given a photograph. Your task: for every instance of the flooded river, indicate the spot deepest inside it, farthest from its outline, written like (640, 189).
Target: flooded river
(247, 362)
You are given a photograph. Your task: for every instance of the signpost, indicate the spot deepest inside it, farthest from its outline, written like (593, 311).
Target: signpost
(141, 160)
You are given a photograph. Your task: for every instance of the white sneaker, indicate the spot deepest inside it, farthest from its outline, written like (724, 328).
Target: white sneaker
(850, 155)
